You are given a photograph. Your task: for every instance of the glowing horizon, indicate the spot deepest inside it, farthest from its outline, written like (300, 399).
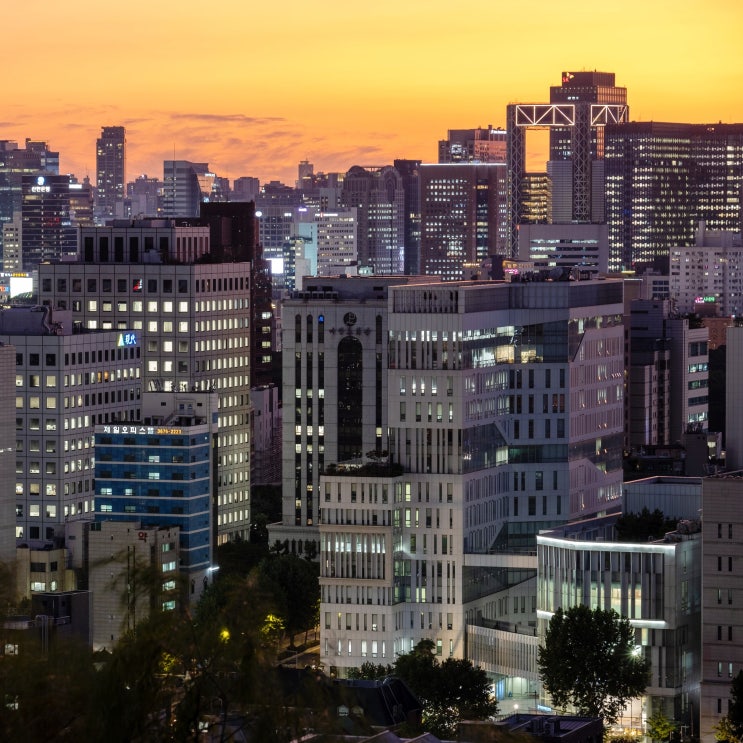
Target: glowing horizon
(253, 91)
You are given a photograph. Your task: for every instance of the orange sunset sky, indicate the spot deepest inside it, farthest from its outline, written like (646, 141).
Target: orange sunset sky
(253, 87)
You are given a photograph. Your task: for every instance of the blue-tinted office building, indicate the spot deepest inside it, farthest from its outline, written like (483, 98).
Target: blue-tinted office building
(161, 472)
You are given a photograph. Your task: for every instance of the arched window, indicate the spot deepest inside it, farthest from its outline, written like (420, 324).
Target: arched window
(350, 398)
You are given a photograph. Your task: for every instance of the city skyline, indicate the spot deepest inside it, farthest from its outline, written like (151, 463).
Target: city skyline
(253, 93)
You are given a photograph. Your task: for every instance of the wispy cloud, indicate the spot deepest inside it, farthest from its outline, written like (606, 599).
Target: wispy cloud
(226, 118)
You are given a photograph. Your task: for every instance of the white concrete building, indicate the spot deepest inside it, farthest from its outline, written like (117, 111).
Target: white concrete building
(655, 584)
(334, 341)
(65, 384)
(708, 272)
(504, 409)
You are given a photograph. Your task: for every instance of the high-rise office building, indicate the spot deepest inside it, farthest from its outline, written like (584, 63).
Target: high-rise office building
(185, 186)
(647, 405)
(305, 176)
(463, 217)
(193, 316)
(473, 145)
(66, 383)
(233, 231)
(334, 377)
(377, 194)
(81, 202)
(34, 158)
(322, 243)
(110, 162)
(47, 228)
(12, 251)
(409, 171)
(579, 110)
(275, 227)
(662, 179)
(504, 417)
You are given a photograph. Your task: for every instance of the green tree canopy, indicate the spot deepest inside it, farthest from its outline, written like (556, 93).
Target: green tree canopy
(659, 726)
(639, 527)
(294, 584)
(180, 668)
(588, 660)
(730, 727)
(725, 732)
(450, 692)
(735, 710)
(371, 671)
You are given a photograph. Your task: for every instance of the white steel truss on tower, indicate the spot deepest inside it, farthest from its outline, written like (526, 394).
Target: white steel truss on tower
(581, 119)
